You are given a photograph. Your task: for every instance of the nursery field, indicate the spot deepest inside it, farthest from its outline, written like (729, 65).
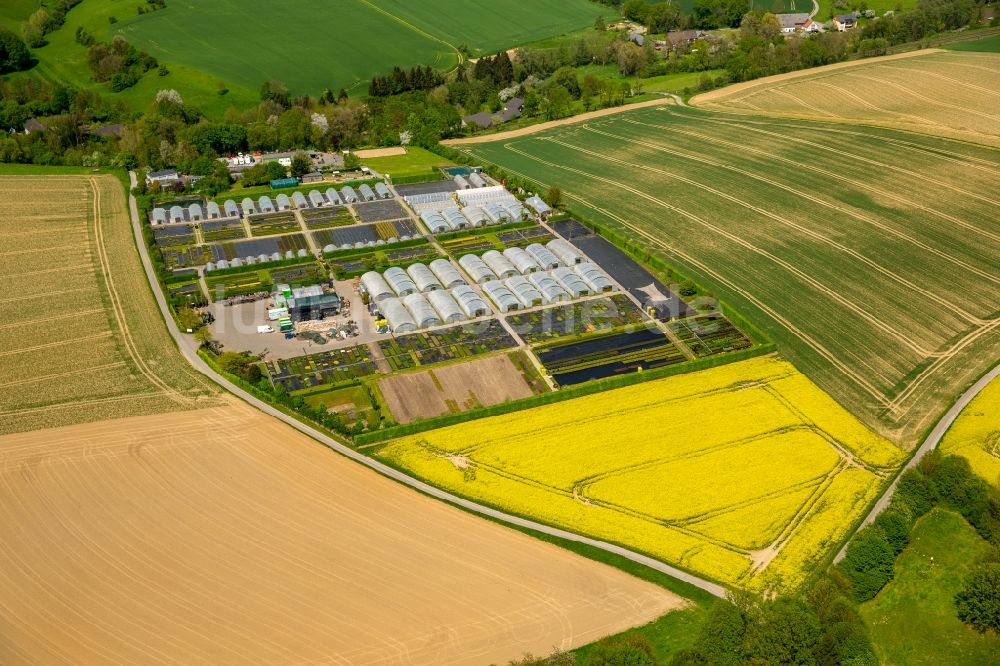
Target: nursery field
(755, 499)
(217, 536)
(946, 93)
(870, 255)
(975, 434)
(80, 334)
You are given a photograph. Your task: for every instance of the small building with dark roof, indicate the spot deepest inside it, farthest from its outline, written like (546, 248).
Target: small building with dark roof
(482, 119)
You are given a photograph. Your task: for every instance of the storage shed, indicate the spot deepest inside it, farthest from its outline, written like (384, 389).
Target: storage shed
(522, 261)
(567, 253)
(445, 306)
(504, 298)
(248, 206)
(159, 216)
(470, 302)
(447, 273)
(367, 193)
(232, 210)
(399, 281)
(333, 197)
(594, 277)
(176, 214)
(348, 194)
(454, 218)
(421, 310)
(399, 318)
(283, 202)
(435, 222)
(499, 264)
(551, 291)
(212, 210)
(382, 191)
(526, 293)
(377, 288)
(423, 278)
(299, 200)
(477, 269)
(571, 282)
(475, 216)
(265, 205)
(541, 254)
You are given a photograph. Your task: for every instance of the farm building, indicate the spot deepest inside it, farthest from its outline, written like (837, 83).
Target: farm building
(399, 318)
(476, 180)
(470, 302)
(195, 213)
(522, 261)
(512, 109)
(163, 177)
(313, 308)
(421, 311)
(550, 289)
(794, 22)
(495, 213)
(300, 200)
(332, 196)
(565, 251)
(499, 264)
(348, 194)
(446, 273)
(382, 191)
(594, 277)
(213, 211)
(265, 205)
(435, 222)
(367, 193)
(454, 218)
(159, 216)
(542, 256)
(312, 177)
(283, 202)
(475, 216)
(525, 292)
(477, 269)
(571, 282)
(481, 120)
(176, 214)
(504, 298)
(316, 199)
(540, 207)
(376, 287)
(399, 281)
(248, 206)
(461, 183)
(445, 306)
(423, 278)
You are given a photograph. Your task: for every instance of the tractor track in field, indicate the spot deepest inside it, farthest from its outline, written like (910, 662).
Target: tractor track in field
(804, 230)
(60, 375)
(42, 320)
(85, 403)
(922, 97)
(965, 84)
(57, 343)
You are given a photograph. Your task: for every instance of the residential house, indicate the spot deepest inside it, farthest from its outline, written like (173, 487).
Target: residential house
(638, 38)
(33, 125)
(483, 120)
(680, 38)
(844, 22)
(165, 177)
(512, 109)
(108, 130)
(791, 23)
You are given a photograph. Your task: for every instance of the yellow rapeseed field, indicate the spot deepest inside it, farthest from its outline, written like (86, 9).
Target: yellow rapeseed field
(975, 434)
(746, 473)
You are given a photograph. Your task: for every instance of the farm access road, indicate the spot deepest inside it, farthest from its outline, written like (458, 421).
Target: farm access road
(188, 348)
(930, 442)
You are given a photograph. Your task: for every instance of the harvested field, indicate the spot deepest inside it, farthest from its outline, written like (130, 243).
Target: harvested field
(954, 94)
(870, 255)
(746, 473)
(453, 388)
(80, 334)
(224, 536)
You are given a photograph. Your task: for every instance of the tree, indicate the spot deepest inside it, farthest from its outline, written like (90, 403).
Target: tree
(979, 600)
(554, 196)
(622, 650)
(916, 492)
(275, 91)
(14, 54)
(868, 563)
(896, 528)
(301, 164)
(599, 24)
(559, 103)
(786, 632)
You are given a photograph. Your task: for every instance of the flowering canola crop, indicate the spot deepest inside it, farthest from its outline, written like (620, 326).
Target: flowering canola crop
(745, 473)
(975, 434)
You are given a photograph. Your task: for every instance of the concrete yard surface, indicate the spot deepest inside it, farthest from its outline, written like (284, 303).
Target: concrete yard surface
(222, 536)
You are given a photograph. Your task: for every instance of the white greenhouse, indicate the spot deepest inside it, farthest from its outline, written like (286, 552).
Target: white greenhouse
(399, 318)
(159, 216)
(454, 218)
(333, 197)
(495, 213)
(376, 286)
(445, 306)
(423, 278)
(316, 199)
(399, 281)
(551, 291)
(476, 180)
(176, 214)
(232, 210)
(543, 256)
(475, 216)
(571, 282)
(435, 222)
(594, 277)
(348, 194)
(499, 264)
(526, 293)
(366, 193)
(283, 202)
(382, 191)
(248, 206)
(422, 312)
(447, 273)
(213, 210)
(504, 298)
(522, 261)
(470, 302)
(265, 204)
(477, 269)
(567, 253)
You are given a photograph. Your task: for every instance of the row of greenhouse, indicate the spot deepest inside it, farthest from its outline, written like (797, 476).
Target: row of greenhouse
(439, 275)
(451, 218)
(251, 260)
(419, 310)
(314, 199)
(545, 288)
(494, 265)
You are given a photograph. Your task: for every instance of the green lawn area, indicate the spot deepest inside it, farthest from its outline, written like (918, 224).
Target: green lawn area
(986, 44)
(416, 161)
(913, 620)
(676, 83)
(12, 12)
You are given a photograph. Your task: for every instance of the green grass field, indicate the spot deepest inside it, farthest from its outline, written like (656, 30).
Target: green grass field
(986, 44)
(867, 254)
(913, 620)
(416, 161)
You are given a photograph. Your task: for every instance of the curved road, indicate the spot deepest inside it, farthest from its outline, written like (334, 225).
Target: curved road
(930, 442)
(188, 348)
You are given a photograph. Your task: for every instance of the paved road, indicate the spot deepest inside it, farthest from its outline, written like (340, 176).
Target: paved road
(188, 348)
(931, 441)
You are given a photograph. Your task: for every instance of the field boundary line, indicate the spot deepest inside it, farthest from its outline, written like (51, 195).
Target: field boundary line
(788, 266)
(819, 348)
(188, 349)
(805, 230)
(899, 234)
(780, 90)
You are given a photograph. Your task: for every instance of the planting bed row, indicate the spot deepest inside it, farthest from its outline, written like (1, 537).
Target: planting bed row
(710, 334)
(328, 367)
(581, 318)
(610, 355)
(416, 349)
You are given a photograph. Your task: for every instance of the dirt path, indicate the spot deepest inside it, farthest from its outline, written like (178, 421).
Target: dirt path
(541, 127)
(728, 91)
